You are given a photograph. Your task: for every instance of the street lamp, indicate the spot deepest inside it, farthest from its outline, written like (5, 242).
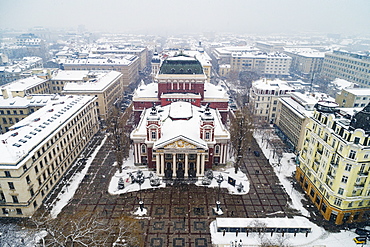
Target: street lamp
(219, 180)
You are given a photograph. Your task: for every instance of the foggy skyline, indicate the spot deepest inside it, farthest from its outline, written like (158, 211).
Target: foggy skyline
(171, 17)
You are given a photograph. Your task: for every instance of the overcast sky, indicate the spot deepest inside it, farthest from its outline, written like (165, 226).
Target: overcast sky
(189, 16)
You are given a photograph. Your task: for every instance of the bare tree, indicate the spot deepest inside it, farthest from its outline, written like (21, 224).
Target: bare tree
(84, 229)
(241, 129)
(13, 235)
(119, 133)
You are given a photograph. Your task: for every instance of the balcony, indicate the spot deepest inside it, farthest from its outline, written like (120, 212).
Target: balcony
(359, 185)
(363, 173)
(330, 176)
(320, 151)
(334, 165)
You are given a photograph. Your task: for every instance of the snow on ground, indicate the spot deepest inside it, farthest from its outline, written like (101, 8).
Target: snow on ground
(285, 169)
(318, 237)
(129, 167)
(68, 191)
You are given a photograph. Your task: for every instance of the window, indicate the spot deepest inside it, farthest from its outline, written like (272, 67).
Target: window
(217, 149)
(15, 199)
(32, 192)
(11, 185)
(154, 135)
(2, 197)
(348, 167)
(357, 140)
(275, 102)
(344, 179)
(143, 148)
(337, 201)
(28, 179)
(36, 169)
(7, 174)
(340, 191)
(19, 211)
(207, 136)
(352, 154)
(350, 204)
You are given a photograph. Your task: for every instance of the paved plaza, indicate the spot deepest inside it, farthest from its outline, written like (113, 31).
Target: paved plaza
(179, 215)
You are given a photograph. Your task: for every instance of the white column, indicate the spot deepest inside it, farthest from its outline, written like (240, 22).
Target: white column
(157, 164)
(162, 164)
(173, 165)
(221, 153)
(225, 153)
(198, 165)
(139, 153)
(136, 153)
(186, 165)
(202, 165)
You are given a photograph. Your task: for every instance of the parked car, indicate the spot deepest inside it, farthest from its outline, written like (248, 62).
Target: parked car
(256, 153)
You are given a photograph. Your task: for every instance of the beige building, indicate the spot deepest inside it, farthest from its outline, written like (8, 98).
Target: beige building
(264, 98)
(40, 149)
(106, 86)
(267, 64)
(305, 61)
(128, 65)
(353, 97)
(140, 52)
(25, 86)
(334, 163)
(352, 67)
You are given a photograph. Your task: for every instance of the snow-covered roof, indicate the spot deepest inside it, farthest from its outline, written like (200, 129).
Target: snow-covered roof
(173, 128)
(341, 83)
(23, 84)
(99, 82)
(260, 222)
(75, 75)
(359, 91)
(276, 84)
(23, 102)
(126, 60)
(306, 52)
(18, 145)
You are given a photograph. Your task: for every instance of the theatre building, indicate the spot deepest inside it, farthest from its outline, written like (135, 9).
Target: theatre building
(180, 140)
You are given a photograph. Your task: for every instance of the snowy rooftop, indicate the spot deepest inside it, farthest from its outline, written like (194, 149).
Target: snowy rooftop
(75, 75)
(271, 85)
(306, 52)
(99, 82)
(359, 91)
(23, 84)
(127, 60)
(29, 134)
(23, 102)
(187, 128)
(341, 83)
(295, 106)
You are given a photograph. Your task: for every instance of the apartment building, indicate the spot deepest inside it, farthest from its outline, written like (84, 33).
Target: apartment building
(140, 52)
(40, 149)
(266, 64)
(353, 97)
(270, 46)
(292, 117)
(264, 97)
(305, 61)
(223, 54)
(13, 110)
(333, 166)
(128, 65)
(106, 86)
(352, 67)
(25, 86)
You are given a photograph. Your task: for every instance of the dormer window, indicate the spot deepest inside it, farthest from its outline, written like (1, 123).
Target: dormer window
(207, 136)
(154, 135)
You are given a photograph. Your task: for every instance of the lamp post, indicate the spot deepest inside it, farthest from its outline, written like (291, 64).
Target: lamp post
(219, 180)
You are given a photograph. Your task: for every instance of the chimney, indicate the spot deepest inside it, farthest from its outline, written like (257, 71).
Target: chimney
(5, 93)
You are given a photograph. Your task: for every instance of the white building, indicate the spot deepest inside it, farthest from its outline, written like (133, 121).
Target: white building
(264, 97)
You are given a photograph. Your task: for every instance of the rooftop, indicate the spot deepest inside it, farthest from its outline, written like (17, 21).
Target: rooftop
(27, 136)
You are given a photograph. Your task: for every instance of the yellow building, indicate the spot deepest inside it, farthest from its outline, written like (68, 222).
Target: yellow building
(40, 149)
(353, 97)
(128, 65)
(106, 86)
(334, 163)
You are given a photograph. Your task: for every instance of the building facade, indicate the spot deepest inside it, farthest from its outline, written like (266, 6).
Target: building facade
(349, 66)
(306, 62)
(353, 97)
(264, 98)
(334, 163)
(180, 140)
(40, 149)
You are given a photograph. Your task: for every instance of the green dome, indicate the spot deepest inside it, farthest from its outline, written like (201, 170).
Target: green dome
(181, 64)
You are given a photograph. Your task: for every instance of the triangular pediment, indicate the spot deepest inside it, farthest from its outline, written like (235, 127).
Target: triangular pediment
(180, 142)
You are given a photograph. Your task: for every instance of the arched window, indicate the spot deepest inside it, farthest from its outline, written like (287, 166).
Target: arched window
(143, 149)
(217, 149)
(207, 136)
